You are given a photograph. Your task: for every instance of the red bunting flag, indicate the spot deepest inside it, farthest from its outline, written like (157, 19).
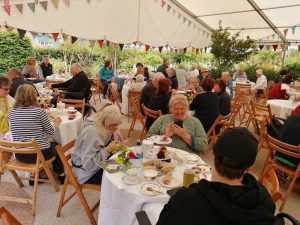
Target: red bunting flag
(160, 49)
(179, 15)
(274, 47)
(163, 3)
(7, 7)
(100, 43)
(147, 47)
(197, 50)
(55, 36)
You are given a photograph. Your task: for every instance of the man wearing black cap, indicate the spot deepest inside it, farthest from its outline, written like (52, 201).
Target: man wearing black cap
(232, 197)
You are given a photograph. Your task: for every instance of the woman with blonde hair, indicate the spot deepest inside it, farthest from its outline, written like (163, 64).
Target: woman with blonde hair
(95, 144)
(29, 71)
(185, 131)
(27, 121)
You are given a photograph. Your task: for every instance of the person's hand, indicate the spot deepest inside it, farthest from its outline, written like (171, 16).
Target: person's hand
(169, 130)
(297, 100)
(57, 121)
(111, 147)
(179, 130)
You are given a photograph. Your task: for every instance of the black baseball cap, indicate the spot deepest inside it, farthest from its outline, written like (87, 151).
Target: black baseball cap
(237, 144)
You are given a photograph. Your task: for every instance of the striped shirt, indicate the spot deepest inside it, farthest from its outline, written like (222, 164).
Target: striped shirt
(31, 122)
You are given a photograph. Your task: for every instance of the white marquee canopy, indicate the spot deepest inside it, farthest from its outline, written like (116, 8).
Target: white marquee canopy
(174, 23)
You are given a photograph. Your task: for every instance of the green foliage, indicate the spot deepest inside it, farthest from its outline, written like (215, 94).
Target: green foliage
(229, 50)
(13, 51)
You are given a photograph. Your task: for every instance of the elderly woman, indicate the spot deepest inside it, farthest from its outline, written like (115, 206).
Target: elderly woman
(29, 71)
(138, 84)
(224, 98)
(6, 103)
(225, 76)
(95, 143)
(185, 131)
(193, 85)
(206, 105)
(27, 121)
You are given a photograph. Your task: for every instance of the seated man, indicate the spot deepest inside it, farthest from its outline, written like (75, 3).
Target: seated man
(78, 86)
(232, 197)
(261, 82)
(46, 67)
(17, 79)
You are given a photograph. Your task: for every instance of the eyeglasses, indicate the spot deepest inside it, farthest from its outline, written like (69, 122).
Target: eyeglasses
(113, 125)
(5, 89)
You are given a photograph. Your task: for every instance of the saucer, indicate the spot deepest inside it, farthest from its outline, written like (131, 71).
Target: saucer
(131, 181)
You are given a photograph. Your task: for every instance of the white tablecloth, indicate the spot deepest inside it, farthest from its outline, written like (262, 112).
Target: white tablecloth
(118, 205)
(124, 107)
(236, 82)
(68, 129)
(56, 78)
(291, 92)
(282, 108)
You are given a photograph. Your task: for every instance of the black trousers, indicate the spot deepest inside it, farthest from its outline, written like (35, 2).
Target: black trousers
(105, 86)
(48, 153)
(96, 178)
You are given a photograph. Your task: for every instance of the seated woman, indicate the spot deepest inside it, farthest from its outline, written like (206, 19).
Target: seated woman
(138, 84)
(188, 135)
(95, 143)
(160, 101)
(206, 105)
(224, 99)
(225, 76)
(27, 121)
(279, 90)
(193, 85)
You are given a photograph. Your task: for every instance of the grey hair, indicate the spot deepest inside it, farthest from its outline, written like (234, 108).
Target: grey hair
(77, 65)
(158, 76)
(181, 66)
(259, 71)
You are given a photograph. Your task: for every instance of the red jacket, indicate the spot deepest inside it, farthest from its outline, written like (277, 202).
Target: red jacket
(277, 92)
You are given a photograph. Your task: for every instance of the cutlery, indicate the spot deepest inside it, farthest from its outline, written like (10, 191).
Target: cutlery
(151, 189)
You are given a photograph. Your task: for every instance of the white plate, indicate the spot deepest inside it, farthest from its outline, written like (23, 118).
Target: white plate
(157, 139)
(131, 182)
(191, 158)
(201, 168)
(174, 182)
(153, 185)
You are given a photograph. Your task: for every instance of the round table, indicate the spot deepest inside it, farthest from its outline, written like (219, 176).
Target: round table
(282, 108)
(292, 92)
(68, 130)
(119, 202)
(55, 79)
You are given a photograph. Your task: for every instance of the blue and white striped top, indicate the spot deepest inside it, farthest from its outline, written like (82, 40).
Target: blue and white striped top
(31, 122)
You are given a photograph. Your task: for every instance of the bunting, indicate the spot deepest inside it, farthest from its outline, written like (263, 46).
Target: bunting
(179, 15)
(163, 3)
(205, 49)
(168, 8)
(88, 1)
(83, 42)
(121, 46)
(197, 50)
(184, 19)
(147, 47)
(171, 50)
(73, 39)
(176, 50)
(36, 2)
(160, 49)
(184, 50)
(293, 29)
(67, 3)
(19, 7)
(65, 37)
(55, 3)
(298, 48)
(34, 34)
(31, 6)
(189, 23)
(44, 5)
(100, 43)
(55, 36)
(285, 32)
(21, 32)
(7, 7)
(274, 47)
(107, 43)
(9, 28)
(92, 43)
(268, 47)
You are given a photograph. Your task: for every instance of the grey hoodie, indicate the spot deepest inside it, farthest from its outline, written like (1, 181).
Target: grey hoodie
(88, 151)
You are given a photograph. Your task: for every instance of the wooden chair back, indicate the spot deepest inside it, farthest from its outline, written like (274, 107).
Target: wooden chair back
(242, 88)
(114, 96)
(286, 149)
(149, 113)
(270, 181)
(14, 165)
(211, 134)
(132, 94)
(65, 156)
(135, 102)
(76, 103)
(235, 110)
(7, 218)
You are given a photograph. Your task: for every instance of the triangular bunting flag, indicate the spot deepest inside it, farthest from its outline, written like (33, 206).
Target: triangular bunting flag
(163, 3)
(268, 47)
(55, 36)
(184, 19)
(65, 37)
(92, 43)
(55, 3)
(73, 39)
(32, 6)
(44, 5)
(155, 1)
(203, 32)
(293, 29)
(179, 15)
(100, 43)
(7, 7)
(19, 7)
(207, 35)
(121, 46)
(88, 1)
(67, 2)
(147, 47)
(171, 50)
(135, 42)
(261, 47)
(285, 32)
(160, 49)
(174, 11)
(168, 8)
(189, 23)
(36, 2)
(282, 46)
(298, 48)
(21, 32)
(274, 47)
(193, 49)
(184, 50)
(197, 50)
(205, 49)
(9, 28)
(83, 42)
(34, 34)
(107, 43)
(176, 50)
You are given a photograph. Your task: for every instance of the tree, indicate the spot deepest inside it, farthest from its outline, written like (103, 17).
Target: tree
(13, 51)
(229, 49)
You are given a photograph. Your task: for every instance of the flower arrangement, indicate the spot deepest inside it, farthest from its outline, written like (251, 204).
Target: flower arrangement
(125, 155)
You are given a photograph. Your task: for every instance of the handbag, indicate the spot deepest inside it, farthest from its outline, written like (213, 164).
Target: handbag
(279, 219)
(274, 127)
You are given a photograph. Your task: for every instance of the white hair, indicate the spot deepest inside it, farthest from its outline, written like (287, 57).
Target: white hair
(77, 66)
(259, 71)
(158, 76)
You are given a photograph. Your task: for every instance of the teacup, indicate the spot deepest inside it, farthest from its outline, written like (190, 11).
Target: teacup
(72, 113)
(150, 173)
(131, 175)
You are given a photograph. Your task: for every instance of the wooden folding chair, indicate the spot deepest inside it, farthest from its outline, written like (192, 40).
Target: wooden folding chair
(137, 114)
(270, 180)
(7, 218)
(95, 89)
(14, 165)
(114, 96)
(132, 94)
(211, 134)
(149, 114)
(64, 154)
(235, 110)
(272, 162)
(76, 103)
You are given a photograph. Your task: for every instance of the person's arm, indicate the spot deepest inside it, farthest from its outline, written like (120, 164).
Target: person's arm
(156, 128)
(62, 85)
(201, 143)
(80, 83)
(101, 73)
(193, 105)
(259, 84)
(46, 124)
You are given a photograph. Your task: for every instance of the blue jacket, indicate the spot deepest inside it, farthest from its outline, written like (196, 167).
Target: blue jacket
(106, 74)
